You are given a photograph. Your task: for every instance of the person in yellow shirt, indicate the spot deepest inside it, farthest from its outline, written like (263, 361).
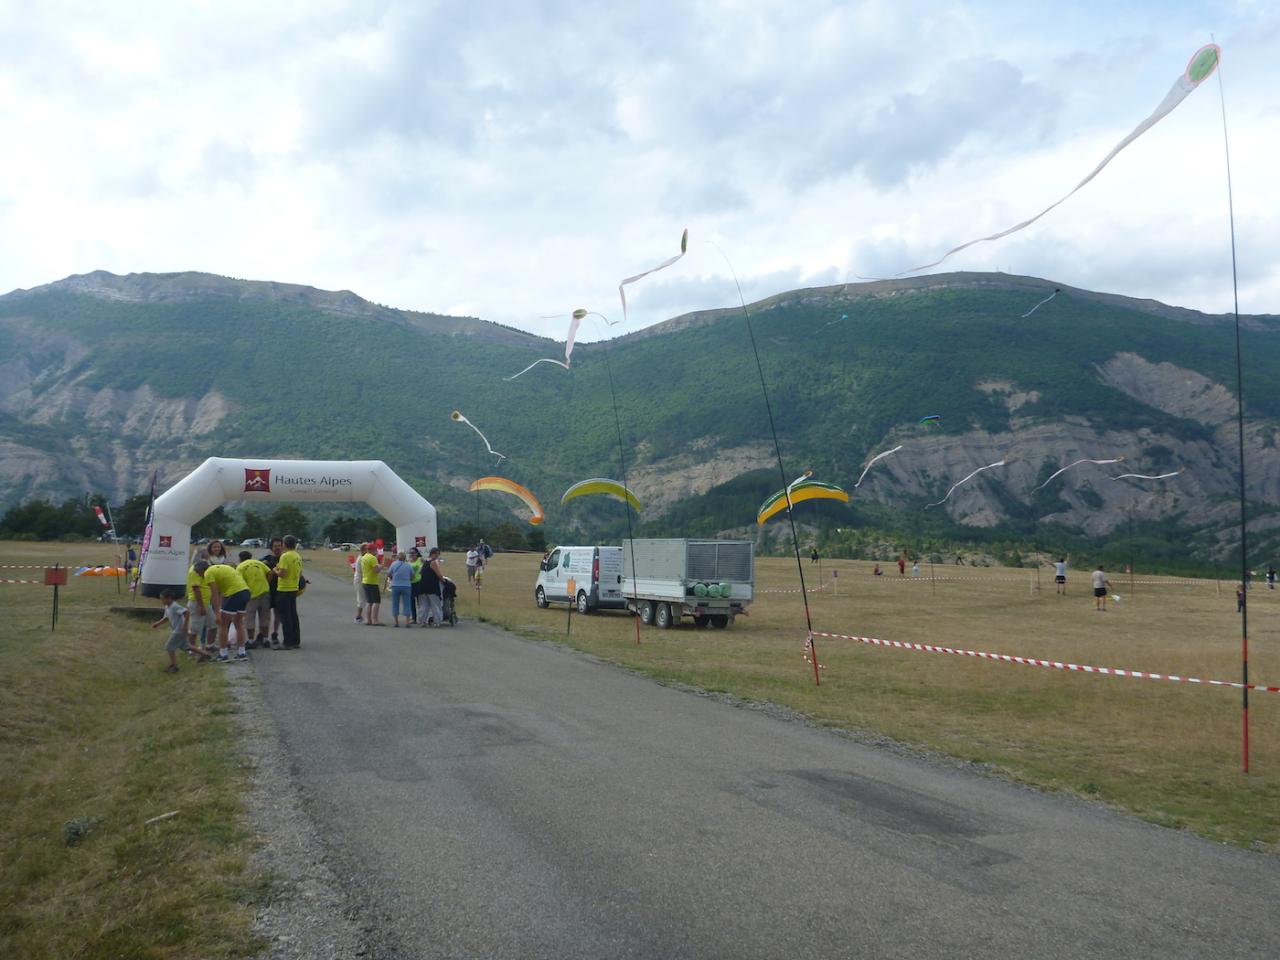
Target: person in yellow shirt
(370, 574)
(200, 615)
(288, 576)
(230, 596)
(257, 615)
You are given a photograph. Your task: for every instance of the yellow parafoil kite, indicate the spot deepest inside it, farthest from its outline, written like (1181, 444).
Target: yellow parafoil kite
(800, 491)
(503, 485)
(600, 485)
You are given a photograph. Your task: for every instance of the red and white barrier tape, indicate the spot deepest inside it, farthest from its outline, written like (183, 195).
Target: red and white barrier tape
(797, 589)
(21, 581)
(22, 566)
(1036, 662)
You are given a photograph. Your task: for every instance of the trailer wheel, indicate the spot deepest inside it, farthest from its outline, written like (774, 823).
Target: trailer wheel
(663, 617)
(540, 598)
(720, 620)
(583, 607)
(646, 612)
(701, 621)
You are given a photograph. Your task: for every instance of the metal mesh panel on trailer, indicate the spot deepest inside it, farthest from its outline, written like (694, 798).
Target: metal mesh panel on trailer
(715, 560)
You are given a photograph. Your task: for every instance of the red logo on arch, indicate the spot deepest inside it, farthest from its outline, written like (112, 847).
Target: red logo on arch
(166, 541)
(419, 541)
(257, 480)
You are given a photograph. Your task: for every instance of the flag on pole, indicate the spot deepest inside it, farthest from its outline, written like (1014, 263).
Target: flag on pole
(146, 534)
(102, 517)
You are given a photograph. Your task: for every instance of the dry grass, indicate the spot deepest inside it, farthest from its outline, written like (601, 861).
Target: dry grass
(1170, 752)
(93, 736)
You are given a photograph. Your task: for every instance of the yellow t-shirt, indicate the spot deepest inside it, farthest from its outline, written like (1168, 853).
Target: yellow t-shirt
(226, 578)
(288, 570)
(195, 580)
(369, 569)
(255, 575)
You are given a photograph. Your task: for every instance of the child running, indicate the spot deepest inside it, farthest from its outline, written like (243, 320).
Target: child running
(176, 615)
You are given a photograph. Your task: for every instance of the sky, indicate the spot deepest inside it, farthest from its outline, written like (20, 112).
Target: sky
(515, 161)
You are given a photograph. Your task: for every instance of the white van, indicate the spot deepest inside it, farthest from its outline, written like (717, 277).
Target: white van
(589, 577)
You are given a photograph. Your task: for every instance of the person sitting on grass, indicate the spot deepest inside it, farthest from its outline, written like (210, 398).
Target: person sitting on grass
(176, 614)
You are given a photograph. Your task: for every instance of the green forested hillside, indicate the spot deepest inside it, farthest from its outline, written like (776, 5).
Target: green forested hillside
(306, 383)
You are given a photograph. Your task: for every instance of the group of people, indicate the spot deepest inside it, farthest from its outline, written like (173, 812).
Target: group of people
(235, 605)
(417, 585)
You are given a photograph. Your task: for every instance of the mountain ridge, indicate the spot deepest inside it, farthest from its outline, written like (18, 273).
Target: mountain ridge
(850, 368)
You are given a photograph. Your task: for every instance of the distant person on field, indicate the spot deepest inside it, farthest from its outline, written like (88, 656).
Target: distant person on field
(473, 560)
(176, 614)
(915, 568)
(486, 552)
(1240, 598)
(289, 582)
(877, 572)
(902, 564)
(369, 569)
(481, 558)
(1271, 578)
(1060, 575)
(813, 557)
(1100, 587)
(400, 583)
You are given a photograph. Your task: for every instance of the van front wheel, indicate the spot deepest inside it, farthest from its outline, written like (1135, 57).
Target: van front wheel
(645, 610)
(583, 607)
(540, 598)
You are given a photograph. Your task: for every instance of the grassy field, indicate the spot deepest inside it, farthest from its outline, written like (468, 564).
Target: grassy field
(1170, 752)
(94, 741)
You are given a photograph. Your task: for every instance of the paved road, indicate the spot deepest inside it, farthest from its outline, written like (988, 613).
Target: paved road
(487, 796)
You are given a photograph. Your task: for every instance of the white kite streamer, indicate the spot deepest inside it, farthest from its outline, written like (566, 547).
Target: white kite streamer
(458, 417)
(622, 294)
(575, 321)
(1040, 304)
(1202, 64)
(1076, 464)
(998, 463)
(1143, 476)
(878, 456)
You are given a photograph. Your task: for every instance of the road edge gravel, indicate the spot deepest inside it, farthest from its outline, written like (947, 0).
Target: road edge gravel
(305, 914)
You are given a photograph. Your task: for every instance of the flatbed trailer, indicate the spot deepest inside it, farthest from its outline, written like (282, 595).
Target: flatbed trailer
(712, 581)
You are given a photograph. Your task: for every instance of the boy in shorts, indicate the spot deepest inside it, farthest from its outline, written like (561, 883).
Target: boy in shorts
(1060, 575)
(176, 615)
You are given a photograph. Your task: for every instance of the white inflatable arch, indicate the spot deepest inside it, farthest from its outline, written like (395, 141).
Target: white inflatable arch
(220, 480)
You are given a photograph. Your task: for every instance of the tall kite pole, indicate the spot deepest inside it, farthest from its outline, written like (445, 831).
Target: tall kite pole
(1244, 551)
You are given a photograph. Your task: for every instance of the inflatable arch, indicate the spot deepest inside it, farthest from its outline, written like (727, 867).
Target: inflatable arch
(220, 480)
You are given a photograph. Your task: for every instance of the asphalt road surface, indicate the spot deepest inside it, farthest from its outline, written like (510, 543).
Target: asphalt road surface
(487, 796)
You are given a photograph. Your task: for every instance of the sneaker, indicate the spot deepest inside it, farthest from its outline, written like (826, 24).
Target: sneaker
(222, 657)
(172, 668)
(241, 655)
(274, 640)
(276, 644)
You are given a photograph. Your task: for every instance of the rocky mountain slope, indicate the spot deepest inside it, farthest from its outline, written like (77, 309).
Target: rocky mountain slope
(104, 378)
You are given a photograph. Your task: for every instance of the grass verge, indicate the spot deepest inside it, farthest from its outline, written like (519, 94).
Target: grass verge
(94, 741)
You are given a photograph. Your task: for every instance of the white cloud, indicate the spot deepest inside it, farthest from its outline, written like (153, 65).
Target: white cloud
(517, 161)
